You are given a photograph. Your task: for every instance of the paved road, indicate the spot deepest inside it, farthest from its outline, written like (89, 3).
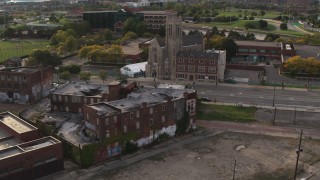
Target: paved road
(255, 95)
(258, 128)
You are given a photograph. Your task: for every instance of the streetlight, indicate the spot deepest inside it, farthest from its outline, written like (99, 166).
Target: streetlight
(298, 151)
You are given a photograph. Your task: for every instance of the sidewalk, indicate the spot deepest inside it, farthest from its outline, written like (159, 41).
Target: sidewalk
(150, 79)
(258, 128)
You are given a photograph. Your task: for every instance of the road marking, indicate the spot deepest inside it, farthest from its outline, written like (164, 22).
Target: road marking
(231, 94)
(292, 99)
(202, 93)
(261, 97)
(240, 92)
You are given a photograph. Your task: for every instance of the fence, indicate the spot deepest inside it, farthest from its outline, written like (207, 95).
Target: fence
(308, 116)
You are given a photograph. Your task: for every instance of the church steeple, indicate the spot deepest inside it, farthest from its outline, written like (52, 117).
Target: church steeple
(173, 43)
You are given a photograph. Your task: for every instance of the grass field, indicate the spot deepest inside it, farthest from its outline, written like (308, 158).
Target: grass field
(226, 113)
(236, 12)
(239, 25)
(19, 48)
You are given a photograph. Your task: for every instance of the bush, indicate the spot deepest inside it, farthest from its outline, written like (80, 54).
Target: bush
(130, 147)
(163, 137)
(263, 24)
(283, 26)
(251, 18)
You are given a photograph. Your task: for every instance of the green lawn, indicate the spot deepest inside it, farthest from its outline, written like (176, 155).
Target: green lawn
(20, 48)
(237, 25)
(236, 12)
(226, 113)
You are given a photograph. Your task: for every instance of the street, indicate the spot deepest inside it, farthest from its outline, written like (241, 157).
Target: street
(255, 95)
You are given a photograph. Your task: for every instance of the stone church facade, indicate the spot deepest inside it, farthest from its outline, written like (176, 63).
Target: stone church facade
(163, 52)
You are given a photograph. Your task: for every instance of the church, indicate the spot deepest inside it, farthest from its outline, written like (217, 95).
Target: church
(183, 57)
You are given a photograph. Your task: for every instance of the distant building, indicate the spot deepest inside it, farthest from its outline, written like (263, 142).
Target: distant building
(155, 19)
(147, 113)
(23, 154)
(73, 96)
(263, 52)
(201, 67)
(177, 56)
(108, 19)
(25, 84)
(13, 62)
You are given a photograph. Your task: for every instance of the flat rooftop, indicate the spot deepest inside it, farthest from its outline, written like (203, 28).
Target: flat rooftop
(258, 43)
(104, 108)
(8, 142)
(154, 12)
(20, 70)
(15, 123)
(98, 12)
(307, 51)
(151, 96)
(132, 47)
(82, 89)
(10, 152)
(28, 146)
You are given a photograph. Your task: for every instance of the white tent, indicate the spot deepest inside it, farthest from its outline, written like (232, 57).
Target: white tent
(134, 70)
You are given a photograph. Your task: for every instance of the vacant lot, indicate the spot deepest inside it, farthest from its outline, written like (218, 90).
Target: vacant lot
(226, 113)
(258, 157)
(16, 48)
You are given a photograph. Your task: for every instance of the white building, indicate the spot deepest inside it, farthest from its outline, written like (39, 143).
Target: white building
(134, 70)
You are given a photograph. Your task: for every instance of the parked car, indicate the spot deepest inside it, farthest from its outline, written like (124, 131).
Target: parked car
(205, 99)
(231, 81)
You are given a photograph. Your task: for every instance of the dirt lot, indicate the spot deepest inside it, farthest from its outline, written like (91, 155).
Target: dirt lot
(258, 157)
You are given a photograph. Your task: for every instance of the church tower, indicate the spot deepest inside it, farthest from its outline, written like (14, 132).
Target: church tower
(173, 44)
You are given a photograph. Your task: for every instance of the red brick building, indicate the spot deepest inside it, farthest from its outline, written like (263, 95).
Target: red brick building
(263, 52)
(147, 113)
(23, 154)
(25, 84)
(198, 66)
(72, 96)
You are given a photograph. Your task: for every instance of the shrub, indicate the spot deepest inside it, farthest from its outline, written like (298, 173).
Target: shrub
(283, 26)
(130, 147)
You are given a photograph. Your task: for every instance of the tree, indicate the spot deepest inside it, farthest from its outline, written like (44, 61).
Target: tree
(283, 26)
(183, 124)
(250, 36)
(141, 28)
(271, 37)
(298, 64)
(214, 31)
(262, 12)
(72, 69)
(263, 24)
(253, 13)
(108, 34)
(251, 18)
(44, 58)
(85, 76)
(130, 25)
(65, 75)
(245, 18)
(103, 75)
(223, 43)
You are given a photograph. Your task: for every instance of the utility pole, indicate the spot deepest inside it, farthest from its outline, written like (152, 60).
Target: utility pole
(274, 94)
(274, 116)
(295, 114)
(234, 169)
(298, 151)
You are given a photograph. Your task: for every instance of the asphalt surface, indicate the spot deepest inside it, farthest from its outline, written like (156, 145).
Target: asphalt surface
(255, 95)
